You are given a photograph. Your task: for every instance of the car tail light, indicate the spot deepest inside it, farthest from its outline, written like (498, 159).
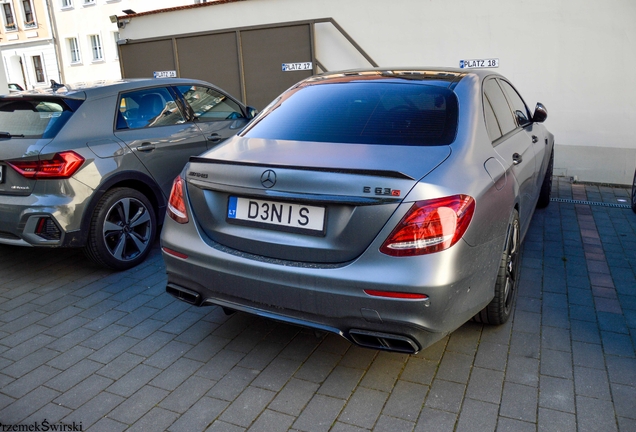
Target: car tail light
(61, 166)
(176, 203)
(430, 226)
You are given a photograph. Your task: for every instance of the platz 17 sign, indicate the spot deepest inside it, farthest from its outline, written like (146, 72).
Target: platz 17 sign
(291, 67)
(479, 63)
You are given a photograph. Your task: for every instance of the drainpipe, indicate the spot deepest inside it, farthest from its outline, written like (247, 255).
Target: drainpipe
(56, 45)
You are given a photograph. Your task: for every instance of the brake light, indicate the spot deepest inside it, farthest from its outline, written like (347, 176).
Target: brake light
(176, 203)
(430, 226)
(61, 166)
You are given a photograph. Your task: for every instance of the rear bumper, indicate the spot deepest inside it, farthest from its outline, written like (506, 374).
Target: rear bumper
(60, 204)
(332, 297)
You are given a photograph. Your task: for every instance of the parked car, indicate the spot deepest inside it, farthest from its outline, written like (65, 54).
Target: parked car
(386, 206)
(13, 87)
(92, 165)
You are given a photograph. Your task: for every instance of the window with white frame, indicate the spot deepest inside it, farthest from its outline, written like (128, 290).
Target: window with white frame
(9, 17)
(96, 47)
(38, 69)
(67, 4)
(89, 2)
(74, 50)
(29, 14)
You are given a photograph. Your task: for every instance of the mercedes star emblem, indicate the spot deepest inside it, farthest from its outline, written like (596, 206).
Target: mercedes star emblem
(268, 179)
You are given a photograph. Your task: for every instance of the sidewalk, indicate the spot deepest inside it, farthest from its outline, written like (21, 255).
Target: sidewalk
(112, 351)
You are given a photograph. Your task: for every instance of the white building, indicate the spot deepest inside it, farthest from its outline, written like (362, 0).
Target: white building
(27, 43)
(574, 56)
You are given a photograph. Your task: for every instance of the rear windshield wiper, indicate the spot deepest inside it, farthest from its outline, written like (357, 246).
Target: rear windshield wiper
(9, 135)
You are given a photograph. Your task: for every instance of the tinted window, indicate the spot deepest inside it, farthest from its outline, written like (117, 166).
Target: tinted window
(492, 125)
(500, 106)
(148, 108)
(362, 112)
(33, 118)
(518, 105)
(209, 105)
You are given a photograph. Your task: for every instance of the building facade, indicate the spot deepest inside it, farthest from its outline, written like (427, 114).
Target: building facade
(65, 40)
(87, 34)
(27, 43)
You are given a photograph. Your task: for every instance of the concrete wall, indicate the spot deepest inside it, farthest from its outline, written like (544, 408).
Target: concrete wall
(571, 55)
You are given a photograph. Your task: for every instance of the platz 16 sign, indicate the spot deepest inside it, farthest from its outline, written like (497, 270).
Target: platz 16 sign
(479, 63)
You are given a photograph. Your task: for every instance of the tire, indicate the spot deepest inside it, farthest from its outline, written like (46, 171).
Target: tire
(634, 193)
(546, 186)
(122, 229)
(499, 309)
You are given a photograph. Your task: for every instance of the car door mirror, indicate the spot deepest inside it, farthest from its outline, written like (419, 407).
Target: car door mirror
(251, 112)
(540, 113)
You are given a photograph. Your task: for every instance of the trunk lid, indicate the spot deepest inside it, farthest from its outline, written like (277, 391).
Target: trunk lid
(302, 201)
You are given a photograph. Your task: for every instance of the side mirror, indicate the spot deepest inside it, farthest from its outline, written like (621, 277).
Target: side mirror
(251, 112)
(540, 113)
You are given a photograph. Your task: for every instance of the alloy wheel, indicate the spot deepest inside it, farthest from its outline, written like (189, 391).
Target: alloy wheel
(127, 229)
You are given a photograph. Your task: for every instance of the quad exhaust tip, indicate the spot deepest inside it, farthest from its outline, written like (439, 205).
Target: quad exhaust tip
(384, 341)
(184, 294)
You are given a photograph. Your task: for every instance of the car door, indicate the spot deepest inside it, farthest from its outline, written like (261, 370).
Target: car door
(536, 132)
(217, 115)
(153, 126)
(513, 145)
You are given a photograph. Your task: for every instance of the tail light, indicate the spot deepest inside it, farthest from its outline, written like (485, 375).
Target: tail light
(61, 166)
(430, 226)
(176, 203)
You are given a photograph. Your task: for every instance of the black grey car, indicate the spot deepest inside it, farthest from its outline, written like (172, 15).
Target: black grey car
(92, 165)
(386, 205)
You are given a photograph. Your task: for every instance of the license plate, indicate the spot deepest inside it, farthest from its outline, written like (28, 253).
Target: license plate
(276, 214)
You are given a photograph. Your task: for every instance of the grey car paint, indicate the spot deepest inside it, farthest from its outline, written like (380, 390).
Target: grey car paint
(319, 281)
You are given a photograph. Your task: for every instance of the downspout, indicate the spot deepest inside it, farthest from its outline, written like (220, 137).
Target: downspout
(56, 45)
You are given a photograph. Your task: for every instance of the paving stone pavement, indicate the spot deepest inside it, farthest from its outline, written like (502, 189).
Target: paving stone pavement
(107, 351)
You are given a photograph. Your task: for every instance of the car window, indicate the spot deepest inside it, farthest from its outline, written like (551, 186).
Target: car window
(386, 113)
(500, 106)
(209, 105)
(148, 108)
(492, 125)
(32, 118)
(519, 106)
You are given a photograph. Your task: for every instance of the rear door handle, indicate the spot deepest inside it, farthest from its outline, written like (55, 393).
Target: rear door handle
(145, 147)
(516, 159)
(215, 138)
(534, 139)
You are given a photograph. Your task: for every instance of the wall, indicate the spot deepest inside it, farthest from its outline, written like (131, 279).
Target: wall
(568, 54)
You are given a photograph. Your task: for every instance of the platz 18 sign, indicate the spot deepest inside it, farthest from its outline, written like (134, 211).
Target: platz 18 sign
(479, 63)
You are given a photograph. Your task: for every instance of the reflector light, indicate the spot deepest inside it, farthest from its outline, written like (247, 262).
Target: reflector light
(174, 253)
(176, 204)
(61, 166)
(397, 295)
(430, 226)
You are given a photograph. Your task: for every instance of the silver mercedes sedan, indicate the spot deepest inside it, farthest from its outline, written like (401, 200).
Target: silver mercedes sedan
(385, 205)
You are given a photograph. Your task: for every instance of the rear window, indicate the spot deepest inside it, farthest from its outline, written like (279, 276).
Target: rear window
(32, 118)
(362, 113)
